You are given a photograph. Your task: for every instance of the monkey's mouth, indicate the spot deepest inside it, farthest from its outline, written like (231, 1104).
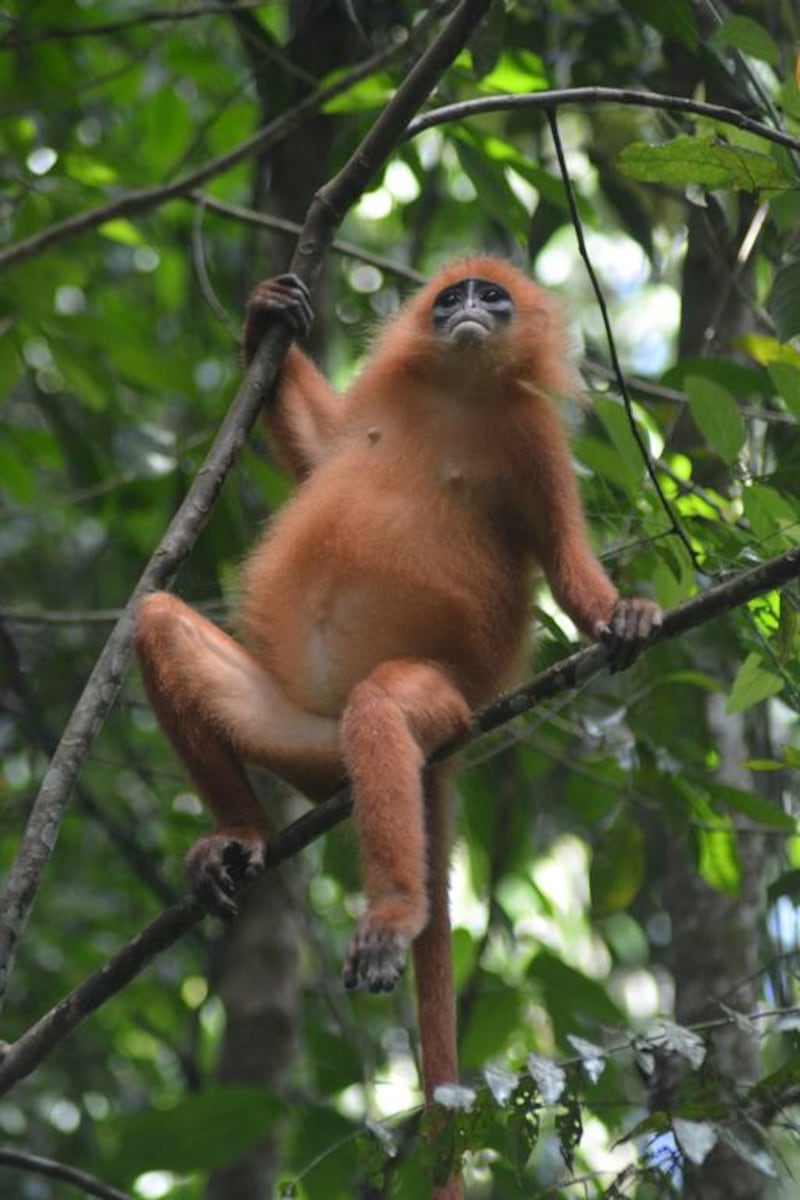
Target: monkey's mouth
(466, 330)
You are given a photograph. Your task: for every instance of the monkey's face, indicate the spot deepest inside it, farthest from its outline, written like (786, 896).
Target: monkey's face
(469, 311)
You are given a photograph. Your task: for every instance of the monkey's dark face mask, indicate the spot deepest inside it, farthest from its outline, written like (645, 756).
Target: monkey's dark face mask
(470, 311)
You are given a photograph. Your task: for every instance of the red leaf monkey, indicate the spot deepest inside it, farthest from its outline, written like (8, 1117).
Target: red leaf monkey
(387, 600)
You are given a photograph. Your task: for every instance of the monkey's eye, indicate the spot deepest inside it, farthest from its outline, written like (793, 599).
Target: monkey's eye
(492, 295)
(448, 299)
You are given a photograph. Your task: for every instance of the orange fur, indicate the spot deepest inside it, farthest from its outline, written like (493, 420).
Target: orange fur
(387, 599)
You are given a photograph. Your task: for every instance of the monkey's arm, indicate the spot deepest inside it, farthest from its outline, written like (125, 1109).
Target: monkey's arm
(302, 412)
(577, 580)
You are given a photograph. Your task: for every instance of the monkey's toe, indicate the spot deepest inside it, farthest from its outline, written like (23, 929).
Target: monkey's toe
(376, 959)
(219, 865)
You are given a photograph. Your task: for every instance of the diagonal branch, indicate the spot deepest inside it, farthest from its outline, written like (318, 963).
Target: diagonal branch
(24, 1055)
(326, 212)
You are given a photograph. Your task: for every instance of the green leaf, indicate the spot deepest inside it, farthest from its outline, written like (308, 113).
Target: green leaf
(788, 629)
(569, 1127)
(489, 179)
(742, 33)
(767, 350)
(771, 516)
(763, 764)
(615, 421)
(593, 1057)
(517, 71)
(617, 870)
(749, 1151)
(716, 416)
(572, 999)
(703, 161)
(787, 884)
(497, 1011)
(603, 460)
(673, 18)
(718, 859)
(549, 1077)
(122, 230)
(486, 43)
(752, 685)
(784, 303)
(17, 479)
(751, 805)
(667, 1035)
(364, 96)
(522, 1127)
(787, 383)
(737, 377)
(201, 1132)
(696, 1138)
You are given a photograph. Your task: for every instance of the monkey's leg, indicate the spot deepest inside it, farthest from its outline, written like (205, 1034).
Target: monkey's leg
(392, 721)
(218, 705)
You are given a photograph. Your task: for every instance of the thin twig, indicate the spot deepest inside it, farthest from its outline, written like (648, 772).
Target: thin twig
(206, 287)
(675, 525)
(293, 229)
(327, 210)
(24, 1055)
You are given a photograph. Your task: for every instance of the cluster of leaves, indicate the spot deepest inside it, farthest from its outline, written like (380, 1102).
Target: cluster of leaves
(501, 1123)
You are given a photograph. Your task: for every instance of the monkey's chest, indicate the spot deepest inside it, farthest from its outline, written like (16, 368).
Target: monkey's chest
(352, 577)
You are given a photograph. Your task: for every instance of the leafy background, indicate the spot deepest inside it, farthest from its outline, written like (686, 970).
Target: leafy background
(624, 854)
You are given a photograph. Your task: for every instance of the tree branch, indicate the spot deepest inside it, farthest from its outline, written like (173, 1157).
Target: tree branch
(34, 1164)
(24, 1055)
(61, 33)
(600, 95)
(264, 139)
(327, 210)
(275, 131)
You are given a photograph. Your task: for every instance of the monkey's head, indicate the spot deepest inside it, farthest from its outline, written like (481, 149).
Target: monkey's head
(481, 314)
(468, 311)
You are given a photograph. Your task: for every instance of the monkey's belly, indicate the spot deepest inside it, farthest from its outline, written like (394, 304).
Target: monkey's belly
(322, 613)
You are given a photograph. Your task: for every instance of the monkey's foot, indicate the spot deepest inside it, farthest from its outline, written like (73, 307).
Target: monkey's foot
(219, 864)
(376, 958)
(634, 621)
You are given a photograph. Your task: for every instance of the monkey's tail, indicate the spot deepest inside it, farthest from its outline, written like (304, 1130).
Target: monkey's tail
(433, 961)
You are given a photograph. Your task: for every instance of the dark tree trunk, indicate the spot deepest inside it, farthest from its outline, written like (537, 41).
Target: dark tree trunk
(259, 976)
(259, 986)
(715, 935)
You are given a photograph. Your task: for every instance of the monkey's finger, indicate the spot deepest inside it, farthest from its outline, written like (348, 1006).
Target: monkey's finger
(285, 296)
(297, 299)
